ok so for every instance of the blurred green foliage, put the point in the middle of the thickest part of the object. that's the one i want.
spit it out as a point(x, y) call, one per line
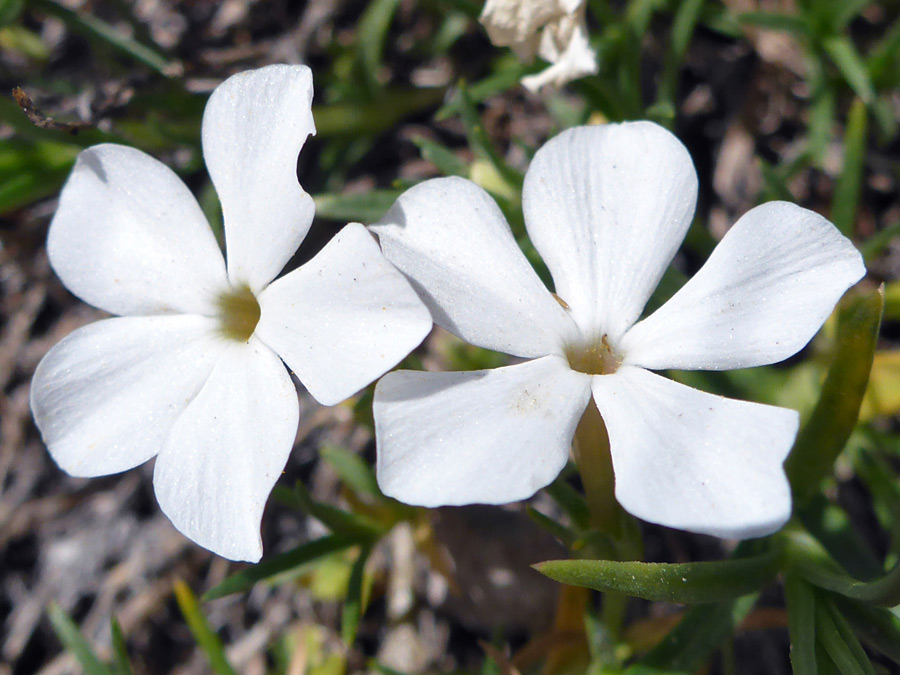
point(841, 596)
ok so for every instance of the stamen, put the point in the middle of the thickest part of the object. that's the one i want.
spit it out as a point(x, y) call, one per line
point(239, 313)
point(593, 358)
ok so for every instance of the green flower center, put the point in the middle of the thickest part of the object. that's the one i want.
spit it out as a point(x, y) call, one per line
point(593, 358)
point(239, 313)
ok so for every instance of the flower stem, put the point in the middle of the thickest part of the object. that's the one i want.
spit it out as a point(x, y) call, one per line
point(591, 448)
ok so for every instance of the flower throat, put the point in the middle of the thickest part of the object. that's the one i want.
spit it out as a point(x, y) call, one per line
point(239, 313)
point(593, 358)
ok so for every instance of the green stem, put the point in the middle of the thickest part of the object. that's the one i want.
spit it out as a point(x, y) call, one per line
point(591, 448)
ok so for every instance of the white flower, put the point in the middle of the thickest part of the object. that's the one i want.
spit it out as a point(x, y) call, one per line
point(192, 371)
point(607, 208)
point(555, 30)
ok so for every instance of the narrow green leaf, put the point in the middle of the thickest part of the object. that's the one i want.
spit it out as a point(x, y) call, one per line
point(824, 435)
point(687, 583)
point(840, 536)
point(208, 641)
point(564, 534)
point(885, 54)
point(283, 563)
point(10, 10)
point(683, 25)
point(850, 63)
point(121, 662)
point(840, 643)
point(354, 604)
point(75, 642)
point(801, 607)
point(442, 157)
point(809, 558)
point(878, 242)
point(849, 183)
point(879, 628)
point(354, 120)
point(337, 520)
point(372, 30)
point(97, 29)
point(702, 630)
point(365, 207)
point(352, 469)
point(572, 502)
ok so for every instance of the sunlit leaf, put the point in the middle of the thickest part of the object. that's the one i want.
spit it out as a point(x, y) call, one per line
point(75, 642)
point(687, 583)
point(208, 641)
point(824, 435)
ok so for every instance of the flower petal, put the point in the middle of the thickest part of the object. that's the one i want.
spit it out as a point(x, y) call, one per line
point(343, 319)
point(227, 450)
point(253, 128)
point(129, 237)
point(761, 296)
point(607, 207)
point(105, 397)
point(694, 461)
point(486, 436)
point(451, 239)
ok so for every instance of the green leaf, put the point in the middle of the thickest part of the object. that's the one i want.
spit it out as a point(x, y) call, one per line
point(75, 642)
point(352, 525)
point(801, 607)
point(824, 435)
point(884, 56)
point(564, 534)
point(371, 35)
point(847, 190)
point(879, 628)
point(283, 563)
point(208, 641)
point(850, 63)
point(442, 157)
point(700, 632)
point(839, 642)
point(121, 662)
point(354, 120)
point(352, 469)
point(97, 29)
point(354, 604)
point(571, 501)
point(687, 583)
point(365, 207)
point(878, 242)
point(10, 10)
point(809, 558)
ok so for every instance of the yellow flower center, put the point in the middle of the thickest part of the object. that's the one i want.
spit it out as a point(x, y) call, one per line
point(594, 357)
point(239, 313)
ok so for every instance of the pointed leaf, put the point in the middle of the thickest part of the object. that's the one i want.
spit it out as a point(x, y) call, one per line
point(824, 435)
point(352, 469)
point(687, 583)
point(284, 563)
point(69, 634)
point(208, 641)
point(354, 603)
point(121, 662)
point(846, 192)
point(801, 607)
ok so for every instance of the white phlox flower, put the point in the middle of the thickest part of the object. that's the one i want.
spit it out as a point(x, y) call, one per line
point(191, 370)
point(555, 30)
point(607, 208)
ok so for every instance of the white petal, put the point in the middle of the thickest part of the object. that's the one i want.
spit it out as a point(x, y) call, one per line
point(227, 450)
point(567, 47)
point(694, 461)
point(129, 237)
point(451, 239)
point(512, 22)
point(487, 436)
point(761, 296)
point(607, 208)
point(253, 128)
point(343, 319)
point(105, 397)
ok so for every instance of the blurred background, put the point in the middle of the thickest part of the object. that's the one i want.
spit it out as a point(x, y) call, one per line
point(775, 100)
